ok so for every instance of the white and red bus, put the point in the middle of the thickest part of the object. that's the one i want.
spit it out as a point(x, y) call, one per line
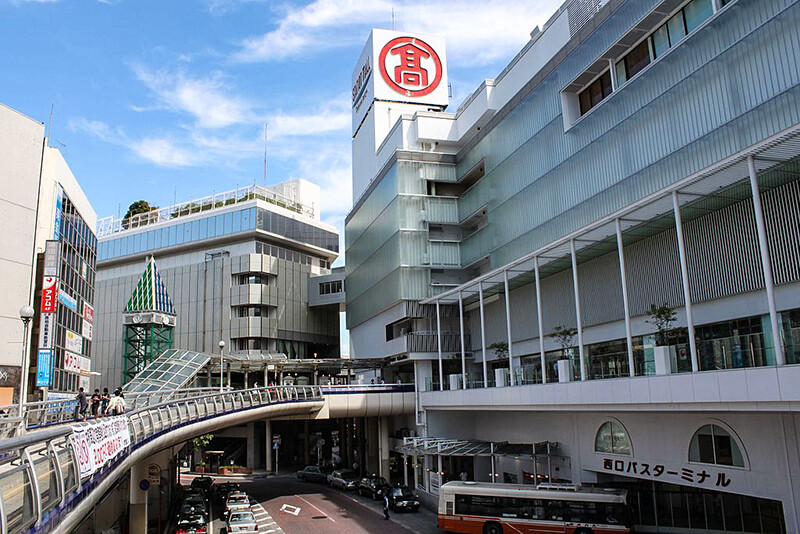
point(485, 508)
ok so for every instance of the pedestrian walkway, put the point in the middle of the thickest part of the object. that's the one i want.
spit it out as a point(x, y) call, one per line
point(264, 520)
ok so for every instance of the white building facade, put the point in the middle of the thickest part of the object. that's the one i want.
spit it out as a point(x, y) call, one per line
point(636, 160)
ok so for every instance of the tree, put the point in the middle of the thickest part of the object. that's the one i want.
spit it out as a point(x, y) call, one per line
point(565, 337)
point(662, 318)
point(201, 442)
point(140, 206)
point(500, 349)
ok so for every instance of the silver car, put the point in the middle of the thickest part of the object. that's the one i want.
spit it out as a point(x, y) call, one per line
point(237, 503)
point(242, 522)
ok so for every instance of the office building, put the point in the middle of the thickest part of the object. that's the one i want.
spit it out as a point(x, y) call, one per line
point(237, 267)
point(594, 256)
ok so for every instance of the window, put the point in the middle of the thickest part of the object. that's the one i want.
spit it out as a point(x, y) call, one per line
point(250, 279)
point(595, 92)
point(612, 439)
point(712, 444)
point(329, 288)
point(682, 23)
point(253, 311)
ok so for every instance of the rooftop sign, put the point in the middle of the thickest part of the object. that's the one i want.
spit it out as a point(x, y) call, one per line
point(399, 67)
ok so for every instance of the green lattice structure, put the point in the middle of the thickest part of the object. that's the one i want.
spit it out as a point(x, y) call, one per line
point(148, 323)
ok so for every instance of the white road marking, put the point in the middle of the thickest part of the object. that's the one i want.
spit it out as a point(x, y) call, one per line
point(289, 509)
point(315, 508)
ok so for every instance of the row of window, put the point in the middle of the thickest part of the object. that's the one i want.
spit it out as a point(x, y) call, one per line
point(549, 510)
point(682, 23)
point(257, 279)
point(329, 288)
point(254, 311)
point(217, 226)
point(290, 255)
point(711, 444)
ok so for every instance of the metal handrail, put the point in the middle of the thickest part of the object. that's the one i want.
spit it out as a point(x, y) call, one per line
point(144, 424)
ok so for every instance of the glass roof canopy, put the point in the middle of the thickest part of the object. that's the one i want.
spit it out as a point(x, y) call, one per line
point(173, 369)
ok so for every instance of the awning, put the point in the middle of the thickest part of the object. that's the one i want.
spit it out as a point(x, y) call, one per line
point(421, 446)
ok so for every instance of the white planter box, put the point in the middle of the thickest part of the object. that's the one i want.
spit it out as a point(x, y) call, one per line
point(564, 371)
point(663, 360)
point(500, 377)
point(455, 382)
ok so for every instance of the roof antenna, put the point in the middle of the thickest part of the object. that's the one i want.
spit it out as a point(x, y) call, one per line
point(265, 154)
point(50, 126)
point(392, 17)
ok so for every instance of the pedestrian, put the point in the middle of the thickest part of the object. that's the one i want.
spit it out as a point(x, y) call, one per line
point(386, 505)
point(463, 476)
point(105, 398)
point(95, 402)
point(116, 406)
point(83, 404)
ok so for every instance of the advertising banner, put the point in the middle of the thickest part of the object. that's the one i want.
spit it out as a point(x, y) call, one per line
point(57, 217)
point(88, 312)
point(87, 329)
point(73, 342)
point(51, 250)
point(49, 294)
point(44, 368)
point(47, 330)
point(72, 362)
point(67, 300)
point(97, 444)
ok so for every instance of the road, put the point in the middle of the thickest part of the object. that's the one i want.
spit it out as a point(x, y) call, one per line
point(296, 507)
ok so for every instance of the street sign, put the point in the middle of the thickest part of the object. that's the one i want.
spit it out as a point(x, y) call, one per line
point(154, 473)
point(276, 438)
point(276, 445)
point(144, 484)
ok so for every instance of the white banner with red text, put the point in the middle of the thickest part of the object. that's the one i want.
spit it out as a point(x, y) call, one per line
point(98, 443)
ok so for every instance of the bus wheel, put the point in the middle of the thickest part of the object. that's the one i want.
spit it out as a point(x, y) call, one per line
point(492, 528)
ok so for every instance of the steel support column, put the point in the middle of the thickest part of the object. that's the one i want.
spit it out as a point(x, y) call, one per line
point(539, 318)
point(508, 329)
point(763, 246)
point(439, 346)
point(625, 306)
point(463, 349)
point(483, 335)
point(687, 297)
point(579, 323)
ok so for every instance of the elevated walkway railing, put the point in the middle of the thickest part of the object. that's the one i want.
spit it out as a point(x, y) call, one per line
point(45, 475)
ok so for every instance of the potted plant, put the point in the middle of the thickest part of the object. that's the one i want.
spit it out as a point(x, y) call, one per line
point(500, 349)
point(199, 444)
point(662, 318)
point(200, 468)
point(565, 337)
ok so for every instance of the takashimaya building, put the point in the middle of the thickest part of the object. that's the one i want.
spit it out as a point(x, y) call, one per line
point(243, 267)
point(636, 159)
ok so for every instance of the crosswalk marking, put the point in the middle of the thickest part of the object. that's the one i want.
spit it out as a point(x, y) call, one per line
point(264, 520)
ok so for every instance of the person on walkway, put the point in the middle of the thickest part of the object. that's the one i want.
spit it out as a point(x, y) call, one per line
point(105, 398)
point(386, 505)
point(95, 403)
point(83, 405)
point(116, 406)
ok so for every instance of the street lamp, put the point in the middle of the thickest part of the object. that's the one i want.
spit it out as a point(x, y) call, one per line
point(221, 362)
point(25, 314)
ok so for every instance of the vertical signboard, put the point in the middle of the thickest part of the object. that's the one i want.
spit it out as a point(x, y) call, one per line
point(44, 368)
point(59, 208)
point(88, 312)
point(49, 294)
point(51, 255)
point(73, 342)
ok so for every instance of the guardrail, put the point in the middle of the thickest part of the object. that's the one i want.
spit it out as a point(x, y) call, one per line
point(40, 479)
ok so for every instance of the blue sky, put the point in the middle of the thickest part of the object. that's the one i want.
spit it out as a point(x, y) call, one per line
point(166, 99)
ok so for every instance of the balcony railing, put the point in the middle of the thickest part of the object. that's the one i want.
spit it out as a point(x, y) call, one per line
point(427, 342)
point(444, 254)
point(441, 210)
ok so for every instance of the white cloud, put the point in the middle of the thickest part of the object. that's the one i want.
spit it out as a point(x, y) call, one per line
point(205, 99)
point(476, 31)
point(165, 153)
point(97, 129)
point(329, 117)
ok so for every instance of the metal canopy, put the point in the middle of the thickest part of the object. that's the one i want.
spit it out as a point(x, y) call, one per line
point(776, 161)
point(418, 446)
point(173, 369)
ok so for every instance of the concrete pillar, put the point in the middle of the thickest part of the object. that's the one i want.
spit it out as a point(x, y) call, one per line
point(137, 515)
point(251, 445)
point(348, 438)
point(306, 442)
point(687, 295)
point(383, 447)
point(405, 469)
point(362, 444)
point(268, 459)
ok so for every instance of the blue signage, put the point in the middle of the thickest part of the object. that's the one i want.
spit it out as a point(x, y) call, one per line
point(44, 368)
point(59, 207)
point(67, 300)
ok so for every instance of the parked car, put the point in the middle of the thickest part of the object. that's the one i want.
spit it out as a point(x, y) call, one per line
point(204, 483)
point(343, 479)
point(191, 524)
point(373, 487)
point(191, 509)
point(401, 498)
point(311, 473)
point(238, 502)
point(241, 522)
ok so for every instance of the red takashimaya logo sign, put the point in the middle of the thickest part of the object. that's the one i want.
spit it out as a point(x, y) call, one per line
point(410, 66)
